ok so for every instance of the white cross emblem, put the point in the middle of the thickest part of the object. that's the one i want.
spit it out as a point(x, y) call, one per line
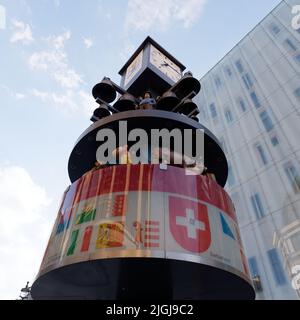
point(191, 223)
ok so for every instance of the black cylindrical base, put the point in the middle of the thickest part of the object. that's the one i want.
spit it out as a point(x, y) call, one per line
point(141, 279)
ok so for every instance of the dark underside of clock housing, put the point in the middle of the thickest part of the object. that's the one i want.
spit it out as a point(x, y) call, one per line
point(151, 81)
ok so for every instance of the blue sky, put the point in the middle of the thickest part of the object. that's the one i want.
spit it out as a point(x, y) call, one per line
point(52, 53)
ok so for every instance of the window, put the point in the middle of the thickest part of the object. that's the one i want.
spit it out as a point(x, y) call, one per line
point(277, 269)
point(254, 99)
point(297, 93)
point(253, 267)
point(261, 153)
point(266, 120)
point(290, 45)
point(242, 105)
point(295, 239)
point(257, 206)
point(293, 176)
point(239, 66)
point(228, 116)
point(213, 110)
point(274, 28)
point(274, 141)
point(228, 71)
point(231, 178)
point(247, 80)
point(218, 82)
point(203, 112)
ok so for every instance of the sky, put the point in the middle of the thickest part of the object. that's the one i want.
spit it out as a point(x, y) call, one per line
point(52, 54)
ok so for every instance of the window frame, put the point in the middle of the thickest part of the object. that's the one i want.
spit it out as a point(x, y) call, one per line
point(213, 110)
point(257, 206)
point(255, 99)
point(261, 153)
point(293, 175)
point(276, 266)
point(266, 120)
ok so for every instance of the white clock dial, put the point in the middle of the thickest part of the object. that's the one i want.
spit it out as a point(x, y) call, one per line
point(133, 68)
point(164, 64)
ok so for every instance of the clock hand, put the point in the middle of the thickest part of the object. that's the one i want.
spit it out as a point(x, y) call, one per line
point(163, 65)
point(168, 65)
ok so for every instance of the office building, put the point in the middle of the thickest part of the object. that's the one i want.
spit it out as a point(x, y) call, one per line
point(251, 101)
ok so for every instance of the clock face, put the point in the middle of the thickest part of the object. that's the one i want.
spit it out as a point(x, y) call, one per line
point(133, 68)
point(164, 64)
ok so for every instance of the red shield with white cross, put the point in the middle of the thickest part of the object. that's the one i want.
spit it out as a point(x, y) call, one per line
point(189, 224)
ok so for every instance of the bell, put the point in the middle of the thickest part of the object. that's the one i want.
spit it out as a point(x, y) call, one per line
point(105, 91)
point(195, 118)
point(189, 108)
point(168, 101)
point(125, 103)
point(187, 85)
point(100, 113)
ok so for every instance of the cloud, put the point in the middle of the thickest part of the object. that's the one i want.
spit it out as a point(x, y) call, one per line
point(161, 14)
point(24, 229)
point(45, 60)
point(40, 94)
point(55, 62)
point(22, 33)
point(87, 103)
point(58, 42)
point(88, 42)
point(68, 78)
point(71, 101)
point(2, 18)
point(12, 93)
point(20, 96)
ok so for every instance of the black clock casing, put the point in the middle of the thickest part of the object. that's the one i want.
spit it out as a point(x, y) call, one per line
point(144, 70)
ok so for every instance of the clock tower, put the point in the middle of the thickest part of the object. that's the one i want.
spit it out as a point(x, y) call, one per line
point(151, 67)
point(145, 215)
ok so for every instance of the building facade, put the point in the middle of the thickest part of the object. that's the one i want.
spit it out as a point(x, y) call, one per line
point(251, 100)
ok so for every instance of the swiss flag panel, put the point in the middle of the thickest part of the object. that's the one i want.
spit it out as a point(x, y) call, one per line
point(189, 224)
